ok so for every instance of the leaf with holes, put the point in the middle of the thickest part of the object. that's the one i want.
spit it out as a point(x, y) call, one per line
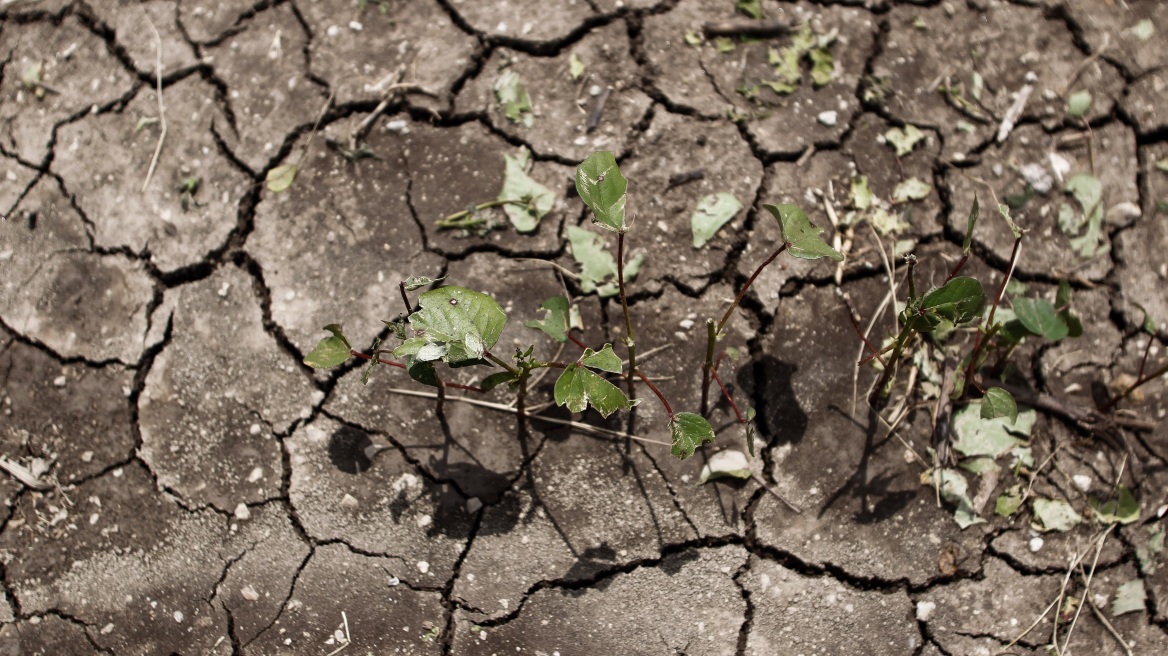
point(1123, 509)
point(457, 315)
point(712, 212)
point(903, 141)
point(689, 431)
point(803, 238)
point(1054, 515)
point(577, 388)
point(602, 187)
point(330, 351)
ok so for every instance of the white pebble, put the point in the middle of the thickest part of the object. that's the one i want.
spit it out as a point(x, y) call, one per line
point(1082, 481)
point(60, 381)
point(348, 501)
point(242, 512)
point(178, 616)
point(925, 610)
point(828, 118)
point(356, 26)
point(255, 475)
point(423, 566)
point(249, 593)
point(1036, 544)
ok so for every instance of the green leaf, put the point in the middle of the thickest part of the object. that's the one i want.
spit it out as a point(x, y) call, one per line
point(578, 388)
point(1147, 325)
point(904, 140)
point(280, 178)
point(689, 431)
point(512, 95)
point(555, 318)
point(712, 212)
point(1087, 190)
point(1124, 509)
point(1162, 165)
point(1145, 29)
point(604, 360)
point(517, 185)
point(781, 88)
point(752, 8)
point(999, 403)
point(1054, 515)
point(1038, 316)
point(725, 464)
point(861, 193)
point(786, 63)
point(373, 361)
point(575, 66)
point(1004, 210)
point(602, 188)
point(422, 372)
point(1062, 300)
point(724, 45)
point(911, 189)
point(958, 301)
point(409, 347)
point(1009, 501)
point(803, 238)
point(822, 67)
point(973, 212)
point(496, 379)
point(330, 351)
point(1078, 104)
point(596, 264)
point(976, 436)
point(954, 489)
point(693, 38)
point(457, 315)
point(1129, 598)
point(414, 283)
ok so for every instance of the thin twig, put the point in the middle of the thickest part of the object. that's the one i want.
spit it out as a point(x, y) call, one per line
point(551, 420)
point(161, 105)
point(1086, 591)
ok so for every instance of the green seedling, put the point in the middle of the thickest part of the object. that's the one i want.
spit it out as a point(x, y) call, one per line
point(524, 201)
point(455, 327)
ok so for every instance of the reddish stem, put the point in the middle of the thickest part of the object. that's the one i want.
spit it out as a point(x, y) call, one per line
point(358, 354)
point(979, 342)
point(956, 268)
point(656, 391)
point(575, 341)
point(873, 349)
point(405, 299)
point(742, 292)
point(726, 393)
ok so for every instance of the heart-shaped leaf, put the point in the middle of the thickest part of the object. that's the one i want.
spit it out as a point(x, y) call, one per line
point(803, 238)
point(958, 301)
point(602, 187)
point(999, 403)
point(689, 431)
point(578, 388)
point(1039, 317)
point(330, 351)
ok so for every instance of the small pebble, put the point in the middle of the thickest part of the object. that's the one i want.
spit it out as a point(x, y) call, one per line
point(828, 118)
point(925, 610)
point(1036, 544)
point(60, 381)
point(1082, 481)
point(178, 616)
point(423, 566)
point(242, 512)
point(356, 26)
point(473, 505)
point(249, 593)
point(348, 501)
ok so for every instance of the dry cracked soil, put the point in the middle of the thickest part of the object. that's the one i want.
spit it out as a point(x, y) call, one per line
point(177, 481)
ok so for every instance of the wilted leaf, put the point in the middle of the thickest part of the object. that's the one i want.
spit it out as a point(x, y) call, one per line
point(517, 185)
point(689, 431)
point(911, 189)
point(750, 413)
point(555, 319)
point(1009, 501)
point(575, 66)
point(1087, 190)
point(861, 193)
point(414, 283)
point(752, 8)
point(954, 489)
point(596, 264)
point(577, 388)
point(725, 464)
point(602, 188)
point(958, 301)
point(976, 436)
point(1078, 104)
point(804, 238)
point(1123, 509)
point(904, 140)
point(512, 95)
point(822, 66)
point(999, 403)
point(496, 379)
point(693, 38)
point(1129, 598)
point(1054, 515)
point(712, 212)
point(280, 178)
point(786, 63)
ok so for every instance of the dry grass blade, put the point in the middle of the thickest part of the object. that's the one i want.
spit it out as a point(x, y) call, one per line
point(161, 104)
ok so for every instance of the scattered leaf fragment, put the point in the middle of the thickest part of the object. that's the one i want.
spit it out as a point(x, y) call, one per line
point(712, 212)
point(517, 185)
point(1079, 103)
point(512, 95)
point(1162, 165)
point(555, 321)
point(280, 178)
point(955, 489)
point(724, 44)
point(1009, 501)
point(725, 464)
point(861, 193)
point(693, 38)
point(911, 189)
point(1129, 598)
point(904, 140)
point(752, 8)
point(1123, 509)
point(977, 436)
point(575, 66)
point(822, 66)
point(1054, 515)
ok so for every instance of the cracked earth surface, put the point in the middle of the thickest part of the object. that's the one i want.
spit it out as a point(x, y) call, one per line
point(206, 493)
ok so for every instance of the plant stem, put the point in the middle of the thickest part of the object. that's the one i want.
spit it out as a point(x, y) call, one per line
point(575, 341)
point(630, 342)
point(707, 366)
point(742, 292)
point(980, 341)
point(1131, 388)
point(884, 386)
point(459, 219)
point(660, 396)
point(726, 393)
point(401, 285)
point(491, 356)
point(358, 354)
